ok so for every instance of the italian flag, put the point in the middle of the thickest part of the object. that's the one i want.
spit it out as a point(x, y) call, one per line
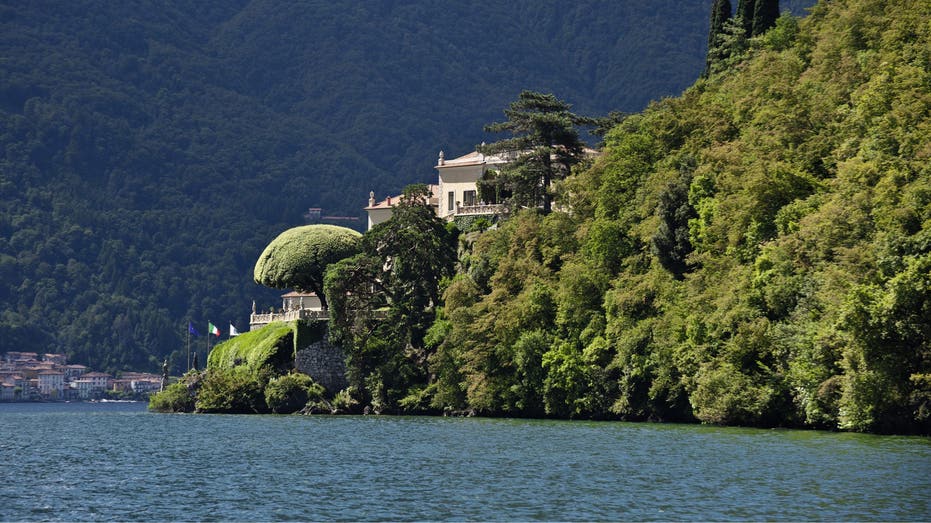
point(212, 329)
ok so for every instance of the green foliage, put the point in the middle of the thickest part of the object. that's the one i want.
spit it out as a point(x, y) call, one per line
point(237, 390)
point(720, 13)
point(289, 393)
point(177, 397)
point(468, 224)
point(271, 346)
point(783, 34)
point(546, 145)
point(724, 395)
point(298, 257)
point(204, 133)
point(755, 252)
point(670, 244)
point(744, 15)
point(385, 299)
point(765, 13)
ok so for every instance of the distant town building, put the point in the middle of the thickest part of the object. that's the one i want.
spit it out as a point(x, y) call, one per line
point(136, 383)
point(73, 371)
point(51, 384)
point(313, 214)
point(57, 359)
point(7, 390)
point(99, 380)
point(25, 377)
point(14, 357)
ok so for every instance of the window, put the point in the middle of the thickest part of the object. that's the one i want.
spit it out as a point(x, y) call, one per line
point(452, 201)
point(468, 198)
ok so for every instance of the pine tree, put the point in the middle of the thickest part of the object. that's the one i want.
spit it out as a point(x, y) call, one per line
point(765, 14)
point(546, 145)
point(720, 13)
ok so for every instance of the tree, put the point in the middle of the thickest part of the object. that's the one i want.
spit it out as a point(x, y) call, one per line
point(730, 45)
point(670, 243)
point(720, 13)
point(384, 299)
point(745, 10)
point(765, 13)
point(417, 249)
point(546, 145)
point(298, 257)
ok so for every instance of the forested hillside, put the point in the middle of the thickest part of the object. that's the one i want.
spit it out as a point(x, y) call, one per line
point(151, 149)
point(756, 251)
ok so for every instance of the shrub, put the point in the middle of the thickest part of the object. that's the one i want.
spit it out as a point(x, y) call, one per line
point(176, 397)
point(289, 393)
point(234, 391)
point(179, 396)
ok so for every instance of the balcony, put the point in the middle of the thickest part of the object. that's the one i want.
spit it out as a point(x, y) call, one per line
point(480, 209)
point(257, 321)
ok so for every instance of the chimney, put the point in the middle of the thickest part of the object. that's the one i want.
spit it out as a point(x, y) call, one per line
point(442, 159)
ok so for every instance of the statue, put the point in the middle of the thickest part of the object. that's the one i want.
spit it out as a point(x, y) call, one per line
point(194, 364)
point(164, 375)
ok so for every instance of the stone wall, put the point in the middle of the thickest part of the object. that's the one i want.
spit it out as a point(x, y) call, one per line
point(325, 363)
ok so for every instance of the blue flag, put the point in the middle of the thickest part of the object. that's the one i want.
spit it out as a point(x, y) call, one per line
point(191, 329)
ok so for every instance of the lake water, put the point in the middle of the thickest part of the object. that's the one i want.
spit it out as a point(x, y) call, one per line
point(119, 462)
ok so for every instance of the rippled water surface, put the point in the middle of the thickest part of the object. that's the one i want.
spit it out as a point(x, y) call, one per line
point(120, 462)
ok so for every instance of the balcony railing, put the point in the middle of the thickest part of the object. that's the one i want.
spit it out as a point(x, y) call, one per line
point(481, 209)
point(300, 314)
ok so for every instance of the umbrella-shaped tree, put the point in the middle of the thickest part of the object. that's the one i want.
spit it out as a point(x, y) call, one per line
point(298, 257)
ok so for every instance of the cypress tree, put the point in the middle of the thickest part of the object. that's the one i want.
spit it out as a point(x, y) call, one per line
point(745, 10)
point(765, 14)
point(720, 13)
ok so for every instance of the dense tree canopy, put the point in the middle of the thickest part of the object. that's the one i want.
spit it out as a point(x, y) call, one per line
point(151, 149)
point(299, 257)
point(754, 252)
point(384, 299)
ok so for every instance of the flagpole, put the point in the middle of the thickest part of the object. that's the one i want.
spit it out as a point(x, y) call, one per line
point(189, 346)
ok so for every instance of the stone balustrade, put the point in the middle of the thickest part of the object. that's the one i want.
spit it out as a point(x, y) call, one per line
point(482, 209)
point(257, 321)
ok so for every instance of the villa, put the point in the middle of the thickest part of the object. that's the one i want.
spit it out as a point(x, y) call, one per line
point(455, 194)
point(456, 190)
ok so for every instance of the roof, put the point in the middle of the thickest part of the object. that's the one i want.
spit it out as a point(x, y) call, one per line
point(296, 294)
point(477, 158)
point(387, 203)
point(474, 158)
point(391, 201)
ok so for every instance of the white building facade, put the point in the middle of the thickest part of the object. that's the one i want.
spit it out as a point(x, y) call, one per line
point(456, 190)
point(51, 384)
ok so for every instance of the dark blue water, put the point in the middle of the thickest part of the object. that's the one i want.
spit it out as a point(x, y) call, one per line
point(120, 462)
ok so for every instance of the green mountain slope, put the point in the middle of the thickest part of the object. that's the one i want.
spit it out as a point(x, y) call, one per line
point(756, 251)
point(151, 149)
